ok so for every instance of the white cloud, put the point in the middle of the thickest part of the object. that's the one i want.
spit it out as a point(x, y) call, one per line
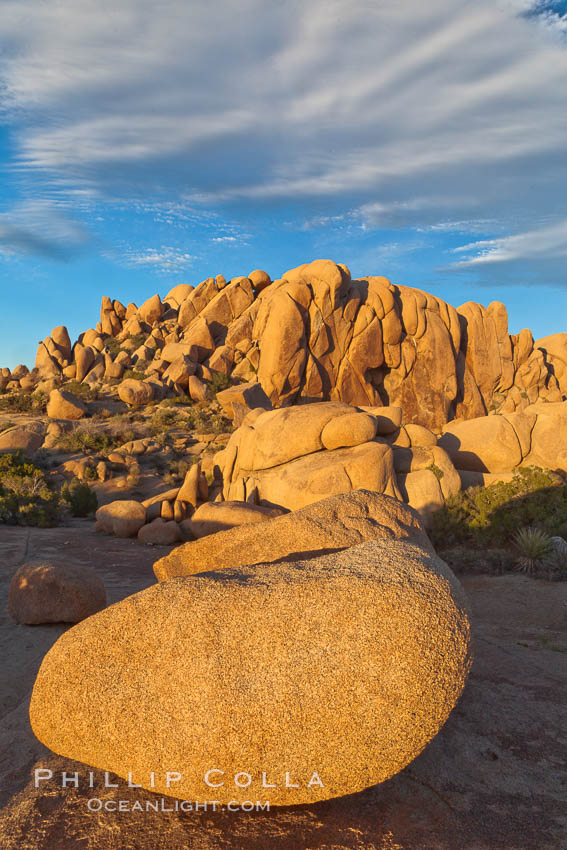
point(545, 243)
point(408, 114)
point(164, 260)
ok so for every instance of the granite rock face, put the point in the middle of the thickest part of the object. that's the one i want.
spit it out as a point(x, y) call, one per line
point(493, 444)
point(327, 526)
point(284, 457)
point(316, 334)
point(336, 671)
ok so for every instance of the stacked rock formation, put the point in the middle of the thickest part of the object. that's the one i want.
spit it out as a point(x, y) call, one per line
point(294, 456)
point(315, 334)
point(297, 681)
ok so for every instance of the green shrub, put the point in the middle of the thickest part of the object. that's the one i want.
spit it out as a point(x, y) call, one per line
point(177, 401)
point(132, 373)
point(489, 516)
point(81, 499)
point(534, 547)
point(83, 391)
point(218, 383)
point(162, 420)
point(112, 345)
point(207, 421)
point(25, 495)
point(465, 559)
point(85, 439)
point(437, 472)
point(24, 402)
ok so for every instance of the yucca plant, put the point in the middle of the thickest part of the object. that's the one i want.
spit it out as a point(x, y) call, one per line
point(535, 548)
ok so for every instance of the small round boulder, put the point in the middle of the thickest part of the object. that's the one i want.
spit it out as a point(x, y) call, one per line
point(259, 279)
point(65, 405)
point(352, 429)
point(123, 518)
point(54, 593)
point(160, 533)
point(135, 393)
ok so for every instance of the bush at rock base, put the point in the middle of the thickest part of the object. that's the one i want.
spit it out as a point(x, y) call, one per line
point(83, 391)
point(199, 417)
point(81, 499)
point(23, 402)
point(28, 498)
point(491, 515)
point(218, 383)
point(25, 495)
point(86, 439)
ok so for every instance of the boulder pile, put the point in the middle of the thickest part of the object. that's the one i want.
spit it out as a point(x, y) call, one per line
point(286, 459)
point(315, 334)
point(294, 456)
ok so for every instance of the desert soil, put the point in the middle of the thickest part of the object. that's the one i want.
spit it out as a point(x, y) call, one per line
point(495, 778)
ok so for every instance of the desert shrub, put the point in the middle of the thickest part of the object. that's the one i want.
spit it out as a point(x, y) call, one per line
point(24, 402)
point(83, 391)
point(138, 339)
point(178, 468)
point(489, 516)
point(84, 438)
point(437, 472)
point(133, 373)
point(25, 495)
point(177, 401)
point(218, 383)
point(464, 559)
point(200, 417)
point(534, 548)
point(207, 421)
point(81, 499)
point(112, 345)
point(162, 420)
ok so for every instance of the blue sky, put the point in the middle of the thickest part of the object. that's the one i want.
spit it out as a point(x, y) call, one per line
point(144, 144)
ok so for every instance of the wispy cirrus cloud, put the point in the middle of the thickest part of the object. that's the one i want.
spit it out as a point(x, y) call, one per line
point(40, 228)
point(431, 117)
point(547, 243)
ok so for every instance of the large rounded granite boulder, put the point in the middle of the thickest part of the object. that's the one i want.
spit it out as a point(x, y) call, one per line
point(290, 682)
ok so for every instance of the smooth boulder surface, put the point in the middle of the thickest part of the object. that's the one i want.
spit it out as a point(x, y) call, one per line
point(135, 393)
point(123, 518)
point(212, 517)
point(369, 466)
point(352, 429)
point(27, 438)
point(54, 593)
point(160, 533)
point(326, 526)
point(342, 667)
point(64, 405)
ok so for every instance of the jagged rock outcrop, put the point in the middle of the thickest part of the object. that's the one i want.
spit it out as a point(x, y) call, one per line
point(316, 334)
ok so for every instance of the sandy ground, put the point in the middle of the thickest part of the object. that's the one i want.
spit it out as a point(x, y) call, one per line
point(495, 778)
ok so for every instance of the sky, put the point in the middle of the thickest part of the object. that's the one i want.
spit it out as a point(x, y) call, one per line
point(146, 143)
